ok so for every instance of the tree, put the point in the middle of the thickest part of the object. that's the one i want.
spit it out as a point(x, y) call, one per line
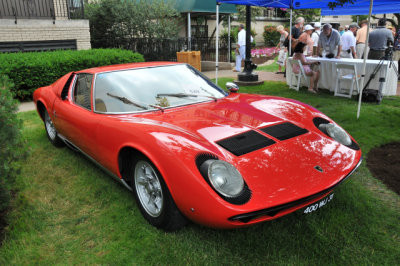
point(358, 18)
point(309, 15)
point(255, 12)
point(115, 23)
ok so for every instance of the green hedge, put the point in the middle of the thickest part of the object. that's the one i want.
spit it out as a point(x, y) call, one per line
point(29, 71)
point(271, 36)
point(12, 147)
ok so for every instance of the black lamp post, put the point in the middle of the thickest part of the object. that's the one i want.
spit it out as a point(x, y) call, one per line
point(248, 74)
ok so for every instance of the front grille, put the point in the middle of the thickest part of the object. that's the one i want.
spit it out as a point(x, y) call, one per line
point(284, 131)
point(245, 142)
point(273, 211)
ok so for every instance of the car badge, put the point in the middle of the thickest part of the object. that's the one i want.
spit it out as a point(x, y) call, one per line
point(318, 168)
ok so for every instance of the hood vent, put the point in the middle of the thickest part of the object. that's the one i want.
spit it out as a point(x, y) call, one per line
point(245, 142)
point(284, 131)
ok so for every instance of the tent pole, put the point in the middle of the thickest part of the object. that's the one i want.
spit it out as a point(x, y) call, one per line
point(229, 38)
point(365, 59)
point(216, 46)
point(189, 33)
point(248, 75)
point(290, 32)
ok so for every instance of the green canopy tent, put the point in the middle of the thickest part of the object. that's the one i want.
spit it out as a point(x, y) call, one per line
point(202, 7)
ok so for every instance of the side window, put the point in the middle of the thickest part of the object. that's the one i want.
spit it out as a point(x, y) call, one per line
point(82, 88)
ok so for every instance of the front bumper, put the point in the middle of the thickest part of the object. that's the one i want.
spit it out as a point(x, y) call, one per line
point(280, 210)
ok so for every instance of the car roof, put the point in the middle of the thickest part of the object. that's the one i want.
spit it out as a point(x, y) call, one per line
point(95, 70)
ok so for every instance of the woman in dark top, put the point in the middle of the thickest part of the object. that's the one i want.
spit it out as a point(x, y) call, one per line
point(314, 75)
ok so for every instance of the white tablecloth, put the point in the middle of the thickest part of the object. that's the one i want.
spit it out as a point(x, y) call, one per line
point(328, 73)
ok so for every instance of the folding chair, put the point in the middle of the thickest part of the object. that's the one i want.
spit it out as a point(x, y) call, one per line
point(346, 72)
point(299, 75)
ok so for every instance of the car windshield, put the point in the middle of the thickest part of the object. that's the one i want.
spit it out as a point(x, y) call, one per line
point(143, 89)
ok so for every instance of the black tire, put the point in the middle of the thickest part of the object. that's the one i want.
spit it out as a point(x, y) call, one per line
point(153, 197)
point(51, 131)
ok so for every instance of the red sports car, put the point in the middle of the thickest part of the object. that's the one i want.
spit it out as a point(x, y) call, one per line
point(189, 150)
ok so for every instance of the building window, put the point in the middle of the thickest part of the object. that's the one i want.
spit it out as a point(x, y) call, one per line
point(274, 13)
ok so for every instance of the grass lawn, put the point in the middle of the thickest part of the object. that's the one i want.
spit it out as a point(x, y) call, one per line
point(270, 68)
point(67, 211)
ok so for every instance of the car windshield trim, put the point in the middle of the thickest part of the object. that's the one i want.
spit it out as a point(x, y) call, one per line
point(154, 106)
point(183, 95)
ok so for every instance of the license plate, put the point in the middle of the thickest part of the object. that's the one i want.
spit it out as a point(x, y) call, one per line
point(318, 205)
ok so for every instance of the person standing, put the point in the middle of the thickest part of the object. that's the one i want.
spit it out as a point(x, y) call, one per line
point(240, 48)
point(378, 40)
point(315, 36)
point(341, 30)
point(282, 52)
point(396, 47)
point(296, 32)
point(393, 30)
point(329, 42)
point(348, 40)
point(305, 37)
point(361, 37)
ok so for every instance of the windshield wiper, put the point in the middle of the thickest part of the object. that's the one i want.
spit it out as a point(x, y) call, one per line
point(127, 101)
point(157, 107)
point(183, 95)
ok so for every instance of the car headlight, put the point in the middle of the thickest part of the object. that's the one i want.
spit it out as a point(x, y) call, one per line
point(223, 177)
point(337, 133)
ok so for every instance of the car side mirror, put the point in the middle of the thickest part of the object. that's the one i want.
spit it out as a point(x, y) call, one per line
point(232, 87)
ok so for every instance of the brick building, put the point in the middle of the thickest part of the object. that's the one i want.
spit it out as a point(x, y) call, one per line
point(42, 25)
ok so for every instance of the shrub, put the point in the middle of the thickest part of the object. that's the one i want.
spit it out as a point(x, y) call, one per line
point(116, 23)
point(11, 144)
point(224, 36)
point(29, 71)
point(271, 36)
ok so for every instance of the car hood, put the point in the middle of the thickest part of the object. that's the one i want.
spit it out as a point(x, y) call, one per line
point(232, 115)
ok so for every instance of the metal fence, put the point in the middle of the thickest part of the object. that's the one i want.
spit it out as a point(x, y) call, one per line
point(41, 9)
point(165, 49)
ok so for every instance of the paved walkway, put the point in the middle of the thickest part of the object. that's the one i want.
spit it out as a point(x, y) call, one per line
point(262, 75)
point(26, 106)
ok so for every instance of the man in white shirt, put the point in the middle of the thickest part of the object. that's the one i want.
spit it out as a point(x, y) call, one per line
point(349, 42)
point(240, 48)
point(315, 36)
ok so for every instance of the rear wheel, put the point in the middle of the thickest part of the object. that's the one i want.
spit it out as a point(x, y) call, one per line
point(153, 197)
point(51, 131)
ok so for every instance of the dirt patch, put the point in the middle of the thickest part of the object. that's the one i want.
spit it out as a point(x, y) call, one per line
point(3, 225)
point(384, 163)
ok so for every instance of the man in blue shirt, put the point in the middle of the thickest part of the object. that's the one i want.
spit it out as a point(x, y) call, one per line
point(330, 43)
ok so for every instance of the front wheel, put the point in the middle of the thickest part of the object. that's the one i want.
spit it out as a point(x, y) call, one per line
point(153, 197)
point(51, 131)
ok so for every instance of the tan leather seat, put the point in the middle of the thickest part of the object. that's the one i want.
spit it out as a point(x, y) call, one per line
point(100, 106)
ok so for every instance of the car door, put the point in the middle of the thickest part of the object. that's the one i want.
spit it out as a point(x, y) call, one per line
point(74, 117)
